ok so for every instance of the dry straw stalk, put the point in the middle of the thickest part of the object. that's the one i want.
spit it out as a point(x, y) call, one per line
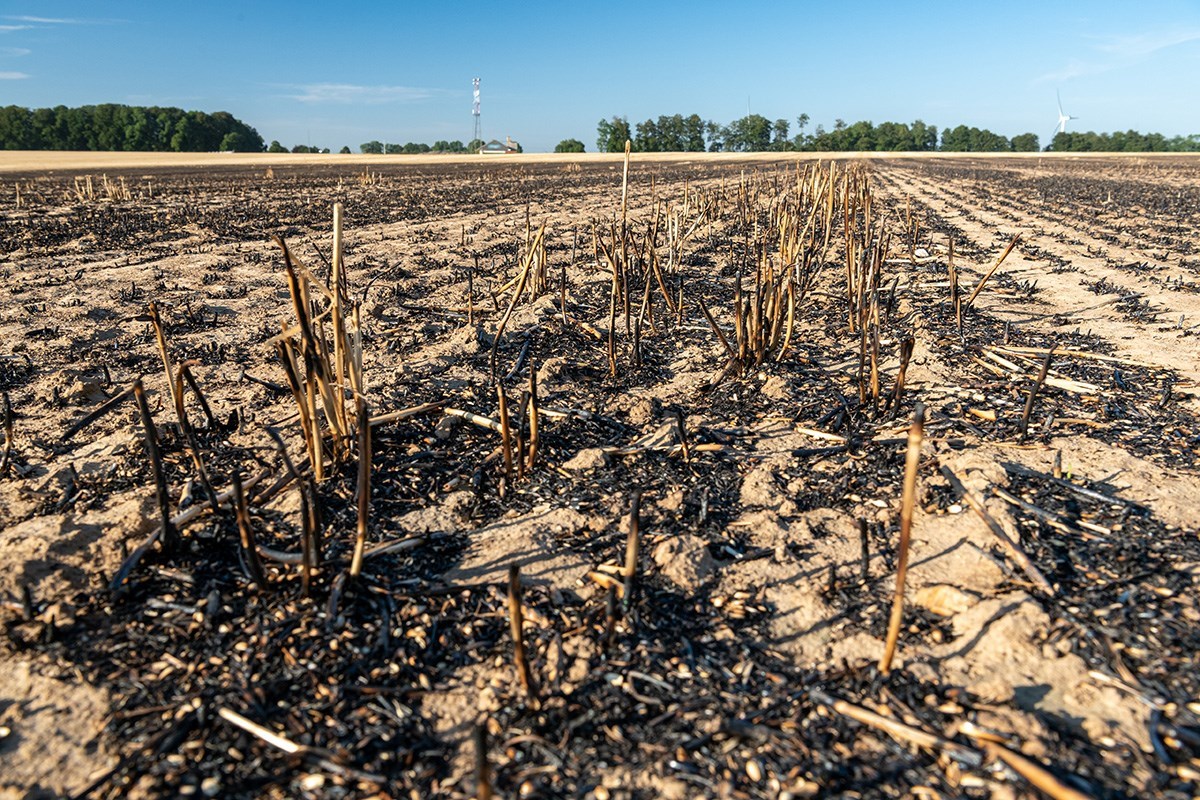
point(912, 461)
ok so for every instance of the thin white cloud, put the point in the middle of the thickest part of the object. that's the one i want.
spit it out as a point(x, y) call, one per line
point(1145, 44)
point(47, 20)
point(28, 22)
point(1120, 51)
point(352, 93)
point(1074, 69)
point(10, 28)
point(14, 51)
point(13, 76)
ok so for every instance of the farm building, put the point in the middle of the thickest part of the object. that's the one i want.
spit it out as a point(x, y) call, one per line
point(497, 147)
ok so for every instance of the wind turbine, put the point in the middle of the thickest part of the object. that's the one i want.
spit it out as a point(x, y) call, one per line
point(1063, 119)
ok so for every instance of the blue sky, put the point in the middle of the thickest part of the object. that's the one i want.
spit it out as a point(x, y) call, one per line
point(309, 73)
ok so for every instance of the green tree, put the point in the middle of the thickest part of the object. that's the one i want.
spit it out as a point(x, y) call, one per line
point(1184, 144)
point(16, 128)
point(863, 135)
point(751, 133)
point(646, 138)
point(714, 134)
point(141, 131)
point(963, 139)
point(223, 126)
point(276, 147)
point(373, 147)
point(801, 140)
point(345, 151)
point(42, 128)
point(693, 134)
point(672, 133)
point(611, 135)
point(110, 126)
point(892, 136)
point(474, 145)
point(205, 132)
point(62, 127)
point(1025, 143)
point(924, 137)
point(239, 142)
point(105, 125)
point(569, 146)
point(165, 118)
point(956, 139)
point(859, 136)
point(779, 135)
point(184, 137)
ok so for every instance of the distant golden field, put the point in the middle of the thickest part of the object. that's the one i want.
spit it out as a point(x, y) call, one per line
point(53, 160)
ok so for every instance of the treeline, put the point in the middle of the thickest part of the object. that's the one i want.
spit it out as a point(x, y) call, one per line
point(118, 127)
point(276, 147)
point(1124, 142)
point(456, 146)
point(756, 133)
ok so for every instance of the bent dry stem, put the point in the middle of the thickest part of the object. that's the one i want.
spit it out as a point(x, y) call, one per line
point(1033, 392)
point(254, 570)
point(632, 545)
point(483, 769)
point(911, 463)
point(516, 618)
point(364, 485)
point(6, 457)
point(170, 536)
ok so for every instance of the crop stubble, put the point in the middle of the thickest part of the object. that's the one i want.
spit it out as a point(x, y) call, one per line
point(714, 377)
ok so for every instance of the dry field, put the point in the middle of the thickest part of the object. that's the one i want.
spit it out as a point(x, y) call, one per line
point(710, 414)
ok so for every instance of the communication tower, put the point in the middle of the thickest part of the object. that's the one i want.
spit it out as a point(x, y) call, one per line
point(475, 111)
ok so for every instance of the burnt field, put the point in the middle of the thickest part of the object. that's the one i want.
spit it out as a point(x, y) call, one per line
point(544, 479)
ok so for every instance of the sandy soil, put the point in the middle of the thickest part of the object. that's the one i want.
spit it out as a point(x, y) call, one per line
point(752, 560)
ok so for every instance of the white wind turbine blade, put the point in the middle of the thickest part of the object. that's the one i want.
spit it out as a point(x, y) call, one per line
point(1063, 118)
